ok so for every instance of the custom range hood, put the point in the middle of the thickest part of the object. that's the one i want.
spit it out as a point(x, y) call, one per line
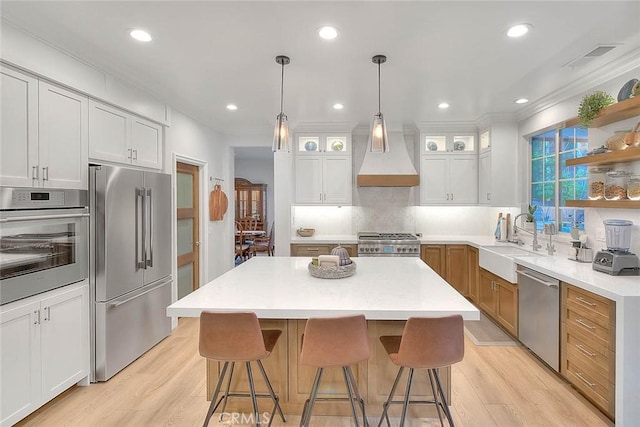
point(391, 169)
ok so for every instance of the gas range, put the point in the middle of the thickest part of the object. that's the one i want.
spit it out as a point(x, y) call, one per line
point(374, 244)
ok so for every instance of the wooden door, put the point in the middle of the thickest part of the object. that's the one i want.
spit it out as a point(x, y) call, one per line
point(188, 226)
point(507, 305)
point(486, 293)
point(456, 267)
point(434, 257)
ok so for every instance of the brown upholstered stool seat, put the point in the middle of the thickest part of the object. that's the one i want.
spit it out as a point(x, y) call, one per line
point(335, 342)
point(237, 337)
point(426, 343)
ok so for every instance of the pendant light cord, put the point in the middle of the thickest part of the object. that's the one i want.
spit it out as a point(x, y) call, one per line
point(282, 90)
point(379, 109)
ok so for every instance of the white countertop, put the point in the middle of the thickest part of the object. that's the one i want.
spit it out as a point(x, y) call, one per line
point(282, 288)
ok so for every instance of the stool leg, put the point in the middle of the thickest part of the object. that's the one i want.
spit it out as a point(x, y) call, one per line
point(386, 404)
point(306, 415)
point(226, 393)
point(252, 388)
point(435, 396)
point(212, 406)
point(407, 396)
point(350, 393)
point(276, 400)
point(354, 386)
point(447, 412)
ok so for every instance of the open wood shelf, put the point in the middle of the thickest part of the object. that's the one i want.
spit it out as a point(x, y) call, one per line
point(631, 154)
point(619, 204)
point(614, 113)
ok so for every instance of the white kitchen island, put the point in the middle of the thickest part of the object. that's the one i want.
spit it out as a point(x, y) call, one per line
point(283, 294)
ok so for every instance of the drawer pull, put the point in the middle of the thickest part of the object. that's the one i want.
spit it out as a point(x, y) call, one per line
point(590, 384)
point(586, 302)
point(313, 249)
point(585, 324)
point(585, 351)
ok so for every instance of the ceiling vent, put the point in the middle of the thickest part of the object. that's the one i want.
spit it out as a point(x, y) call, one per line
point(590, 56)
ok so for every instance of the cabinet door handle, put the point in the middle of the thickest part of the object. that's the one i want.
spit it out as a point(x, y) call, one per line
point(488, 196)
point(313, 249)
point(585, 351)
point(585, 324)
point(45, 173)
point(590, 384)
point(586, 302)
point(451, 196)
point(47, 313)
point(36, 315)
point(35, 173)
point(135, 155)
point(130, 153)
point(447, 196)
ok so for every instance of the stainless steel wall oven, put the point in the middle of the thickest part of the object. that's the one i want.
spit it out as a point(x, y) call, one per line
point(43, 240)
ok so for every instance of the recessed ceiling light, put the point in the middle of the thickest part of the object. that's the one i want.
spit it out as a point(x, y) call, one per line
point(140, 35)
point(521, 101)
point(443, 105)
point(232, 107)
point(518, 30)
point(328, 33)
point(338, 106)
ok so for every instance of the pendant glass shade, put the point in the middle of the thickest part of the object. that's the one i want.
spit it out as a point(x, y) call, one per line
point(281, 137)
point(379, 140)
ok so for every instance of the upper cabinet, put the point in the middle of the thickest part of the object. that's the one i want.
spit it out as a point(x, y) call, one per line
point(497, 165)
point(120, 137)
point(448, 169)
point(323, 170)
point(44, 133)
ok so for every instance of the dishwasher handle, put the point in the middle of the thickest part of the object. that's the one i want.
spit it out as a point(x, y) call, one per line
point(553, 284)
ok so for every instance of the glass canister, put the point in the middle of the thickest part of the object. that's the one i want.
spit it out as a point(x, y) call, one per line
point(633, 187)
point(615, 185)
point(597, 177)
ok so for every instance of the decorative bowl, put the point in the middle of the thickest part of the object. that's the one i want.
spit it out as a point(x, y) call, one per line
point(310, 146)
point(305, 232)
point(337, 146)
point(459, 145)
point(332, 272)
point(432, 146)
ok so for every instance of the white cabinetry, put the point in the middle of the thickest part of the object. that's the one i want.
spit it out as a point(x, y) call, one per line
point(323, 169)
point(44, 133)
point(45, 349)
point(120, 137)
point(448, 169)
point(497, 164)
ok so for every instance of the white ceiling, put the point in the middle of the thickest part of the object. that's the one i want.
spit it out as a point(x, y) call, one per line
point(206, 54)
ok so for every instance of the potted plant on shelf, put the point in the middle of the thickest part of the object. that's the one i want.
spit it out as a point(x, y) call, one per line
point(591, 105)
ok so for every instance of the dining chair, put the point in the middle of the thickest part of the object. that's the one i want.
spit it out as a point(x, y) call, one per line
point(264, 243)
point(241, 247)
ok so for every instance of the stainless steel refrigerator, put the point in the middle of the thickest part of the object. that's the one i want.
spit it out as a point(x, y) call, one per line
point(130, 265)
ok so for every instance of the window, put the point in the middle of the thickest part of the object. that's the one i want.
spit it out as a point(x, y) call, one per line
point(553, 183)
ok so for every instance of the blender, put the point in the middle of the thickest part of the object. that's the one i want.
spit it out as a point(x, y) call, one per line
point(616, 259)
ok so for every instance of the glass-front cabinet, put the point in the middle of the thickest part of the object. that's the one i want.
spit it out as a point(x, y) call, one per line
point(251, 201)
point(314, 143)
point(458, 143)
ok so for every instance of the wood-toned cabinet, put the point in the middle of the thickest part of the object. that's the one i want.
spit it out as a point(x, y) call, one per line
point(44, 133)
point(312, 250)
point(251, 201)
point(587, 345)
point(45, 349)
point(450, 262)
point(473, 271)
point(120, 137)
point(499, 299)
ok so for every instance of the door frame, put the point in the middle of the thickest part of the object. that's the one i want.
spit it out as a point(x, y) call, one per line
point(203, 254)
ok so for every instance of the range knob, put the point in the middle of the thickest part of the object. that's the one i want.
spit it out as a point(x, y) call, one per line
point(377, 249)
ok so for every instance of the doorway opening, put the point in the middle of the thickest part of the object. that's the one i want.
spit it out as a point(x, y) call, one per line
point(188, 228)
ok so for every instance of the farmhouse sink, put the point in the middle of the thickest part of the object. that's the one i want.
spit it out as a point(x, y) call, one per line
point(499, 260)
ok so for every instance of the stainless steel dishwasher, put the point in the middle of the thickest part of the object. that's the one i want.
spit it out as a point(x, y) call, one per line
point(539, 315)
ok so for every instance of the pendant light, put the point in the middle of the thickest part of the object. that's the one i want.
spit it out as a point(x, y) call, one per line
point(281, 132)
point(379, 140)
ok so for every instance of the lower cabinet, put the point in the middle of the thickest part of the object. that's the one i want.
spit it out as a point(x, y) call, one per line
point(499, 299)
point(450, 262)
point(587, 345)
point(312, 250)
point(45, 349)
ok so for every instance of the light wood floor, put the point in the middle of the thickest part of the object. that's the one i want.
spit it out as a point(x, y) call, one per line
point(492, 386)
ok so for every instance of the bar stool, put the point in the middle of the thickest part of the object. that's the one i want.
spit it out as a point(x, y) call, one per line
point(333, 342)
point(426, 343)
point(237, 337)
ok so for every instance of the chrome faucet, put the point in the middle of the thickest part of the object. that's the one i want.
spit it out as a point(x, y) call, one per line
point(515, 237)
